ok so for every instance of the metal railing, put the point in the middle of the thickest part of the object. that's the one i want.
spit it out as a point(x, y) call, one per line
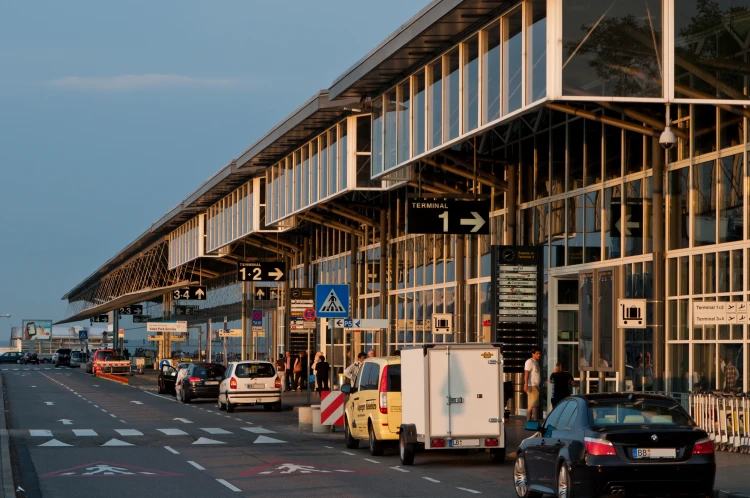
point(725, 417)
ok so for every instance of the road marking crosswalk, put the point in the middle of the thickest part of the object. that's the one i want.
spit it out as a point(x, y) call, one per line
point(258, 430)
point(215, 430)
point(40, 433)
point(128, 432)
point(172, 432)
point(84, 432)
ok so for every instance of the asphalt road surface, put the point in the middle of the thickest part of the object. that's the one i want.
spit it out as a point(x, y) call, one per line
point(74, 435)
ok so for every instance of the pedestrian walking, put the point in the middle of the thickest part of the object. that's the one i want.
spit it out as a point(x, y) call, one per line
point(288, 374)
point(532, 378)
point(281, 369)
point(561, 384)
point(322, 370)
point(300, 368)
point(353, 369)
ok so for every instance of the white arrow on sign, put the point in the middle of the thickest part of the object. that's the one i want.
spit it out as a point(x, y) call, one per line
point(276, 273)
point(49, 403)
point(477, 221)
point(199, 294)
point(65, 421)
point(137, 402)
point(260, 294)
point(628, 225)
point(339, 323)
point(184, 420)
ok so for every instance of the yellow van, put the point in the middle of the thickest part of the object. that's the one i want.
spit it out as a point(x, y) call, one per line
point(373, 408)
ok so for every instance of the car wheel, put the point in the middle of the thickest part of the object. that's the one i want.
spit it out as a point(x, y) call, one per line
point(564, 484)
point(497, 455)
point(277, 406)
point(521, 479)
point(405, 450)
point(350, 442)
point(222, 406)
point(161, 389)
point(185, 396)
point(376, 447)
point(230, 407)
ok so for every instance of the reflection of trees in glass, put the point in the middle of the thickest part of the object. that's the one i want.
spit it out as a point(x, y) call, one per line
point(624, 51)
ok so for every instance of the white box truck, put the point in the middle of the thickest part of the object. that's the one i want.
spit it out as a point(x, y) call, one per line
point(452, 398)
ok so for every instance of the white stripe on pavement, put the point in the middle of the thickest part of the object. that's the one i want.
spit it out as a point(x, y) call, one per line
point(40, 433)
point(203, 468)
point(230, 486)
point(471, 491)
point(173, 432)
point(169, 449)
point(85, 432)
point(430, 479)
point(215, 430)
point(128, 432)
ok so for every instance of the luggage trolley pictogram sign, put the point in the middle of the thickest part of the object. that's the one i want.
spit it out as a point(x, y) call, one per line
point(631, 313)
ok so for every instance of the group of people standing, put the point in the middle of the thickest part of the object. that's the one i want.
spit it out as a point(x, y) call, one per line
point(296, 373)
point(561, 380)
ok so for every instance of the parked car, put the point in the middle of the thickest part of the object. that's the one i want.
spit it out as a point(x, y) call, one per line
point(77, 358)
point(250, 383)
point(168, 377)
point(11, 357)
point(30, 358)
point(45, 357)
point(373, 411)
point(61, 357)
point(202, 381)
point(615, 444)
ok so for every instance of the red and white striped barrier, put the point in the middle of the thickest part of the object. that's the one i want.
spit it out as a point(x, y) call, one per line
point(331, 408)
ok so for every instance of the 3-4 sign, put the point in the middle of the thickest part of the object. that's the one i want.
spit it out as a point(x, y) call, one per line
point(100, 319)
point(192, 293)
point(442, 216)
point(261, 271)
point(135, 309)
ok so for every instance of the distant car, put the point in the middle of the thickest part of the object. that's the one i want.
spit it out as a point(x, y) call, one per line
point(202, 381)
point(250, 383)
point(615, 444)
point(30, 358)
point(167, 378)
point(76, 358)
point(61, 357)
point(11, 357)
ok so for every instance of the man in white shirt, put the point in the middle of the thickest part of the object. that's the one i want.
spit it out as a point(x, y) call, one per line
point(181, 374)
point(353, 369)
point(532, 379)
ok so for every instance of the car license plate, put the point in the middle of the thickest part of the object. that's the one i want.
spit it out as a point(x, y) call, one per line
point(644, 453)
point(256, 386)
point(464, 442)
point(212, 383)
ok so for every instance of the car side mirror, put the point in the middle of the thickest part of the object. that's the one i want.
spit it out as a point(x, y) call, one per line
point(346, 389)
point(533, 425)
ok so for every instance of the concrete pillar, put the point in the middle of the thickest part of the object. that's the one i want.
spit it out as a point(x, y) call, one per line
point(511, 201)
point(288, 303)
point(382, 335)
point(245, 328)
point(619, 356)
point(657, 186)
point(460, 319)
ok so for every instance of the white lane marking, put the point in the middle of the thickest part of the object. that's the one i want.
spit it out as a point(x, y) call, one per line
point(372, 461)
point(116, 442)
point(183, 420)
point(230, 486)
point(137, 402)
point(430, 479)
point(347, 453)
point(169, 449)
point(198, 466)
point(258, 430)
point(128, 432)
point(40, 433)
point(96, 406)
point(172, 432)
point(66, 421)
point(49, 403)
point(84, 399)
point(215, 430)
point(329, 447)
point(123, 421)
point(85, 432)
point(113, 415)
point(102, 409)
point(267, 440)
point(54, 442)
point(399, 469)
point(471, 491)
point(205, 440)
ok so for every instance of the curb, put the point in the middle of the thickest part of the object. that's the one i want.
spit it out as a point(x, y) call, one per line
point(114, 378)
point(719, 493)
point(6, 469)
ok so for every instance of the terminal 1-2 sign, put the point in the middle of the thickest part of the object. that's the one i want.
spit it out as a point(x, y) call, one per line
point(261, 271)
point(448, 216)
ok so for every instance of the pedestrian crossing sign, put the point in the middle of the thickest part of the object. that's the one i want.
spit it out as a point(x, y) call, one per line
point(332, 300)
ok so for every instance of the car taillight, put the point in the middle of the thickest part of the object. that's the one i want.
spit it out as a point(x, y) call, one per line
point(491, 442)
point(437, 443)
point(599, 447)
point(703, 447)
point(277, 383)
point(233, 383)
point(194, 379)
point(383, 405)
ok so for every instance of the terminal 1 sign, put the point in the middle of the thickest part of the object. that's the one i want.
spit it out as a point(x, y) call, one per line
point(447, 217)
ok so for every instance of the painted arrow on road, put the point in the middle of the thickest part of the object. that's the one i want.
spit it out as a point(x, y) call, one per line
point(49, 403)
point(184, 420)
point(137, 402)
point(65, 421)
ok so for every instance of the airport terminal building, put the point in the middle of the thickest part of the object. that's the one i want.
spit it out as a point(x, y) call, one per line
point(552, 115)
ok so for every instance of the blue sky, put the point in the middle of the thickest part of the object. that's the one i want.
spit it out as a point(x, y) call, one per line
point(111, 113)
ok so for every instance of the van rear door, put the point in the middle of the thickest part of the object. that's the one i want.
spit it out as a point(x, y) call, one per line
point(394, 397)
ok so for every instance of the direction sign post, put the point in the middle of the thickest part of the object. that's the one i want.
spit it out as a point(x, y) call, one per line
point(332, 300)
point(192, 293)
point(134, 309)
point(448, 216)
point(141, 318)
point(266, 293)
point(261, 271)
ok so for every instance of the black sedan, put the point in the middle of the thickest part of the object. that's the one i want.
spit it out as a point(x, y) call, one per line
point(201, 381)
point(30, 359)
point(618, 444)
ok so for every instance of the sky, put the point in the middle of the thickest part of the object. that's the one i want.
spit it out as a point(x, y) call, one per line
point(112, 113)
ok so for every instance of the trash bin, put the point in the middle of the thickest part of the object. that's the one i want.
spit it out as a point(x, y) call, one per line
point(341, 381)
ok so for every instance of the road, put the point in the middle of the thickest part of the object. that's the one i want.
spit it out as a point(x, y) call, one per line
point(75, 435)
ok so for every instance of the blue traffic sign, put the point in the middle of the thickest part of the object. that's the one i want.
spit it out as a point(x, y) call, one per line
point(348, 323)
point(257, 318)
point(83, 335)
point(332, 300)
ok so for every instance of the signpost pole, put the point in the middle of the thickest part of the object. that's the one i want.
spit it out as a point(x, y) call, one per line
point(209, 333)
point(243, 341)
point(308, 366)
point(226, 329)
point(115, 329)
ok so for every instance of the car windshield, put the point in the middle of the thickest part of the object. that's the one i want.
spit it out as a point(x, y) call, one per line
point(253, 370)
point(209, 372)
point(638, 411)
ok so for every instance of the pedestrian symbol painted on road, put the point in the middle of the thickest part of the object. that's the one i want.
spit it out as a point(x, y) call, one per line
point(332, 301)
point(108, 469)
point(282, 468)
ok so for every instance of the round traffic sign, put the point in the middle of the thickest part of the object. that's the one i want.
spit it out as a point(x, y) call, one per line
point(257, 315)
point(309, 314)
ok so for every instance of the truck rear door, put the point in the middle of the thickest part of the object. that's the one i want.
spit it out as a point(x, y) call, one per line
point(465, 392)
